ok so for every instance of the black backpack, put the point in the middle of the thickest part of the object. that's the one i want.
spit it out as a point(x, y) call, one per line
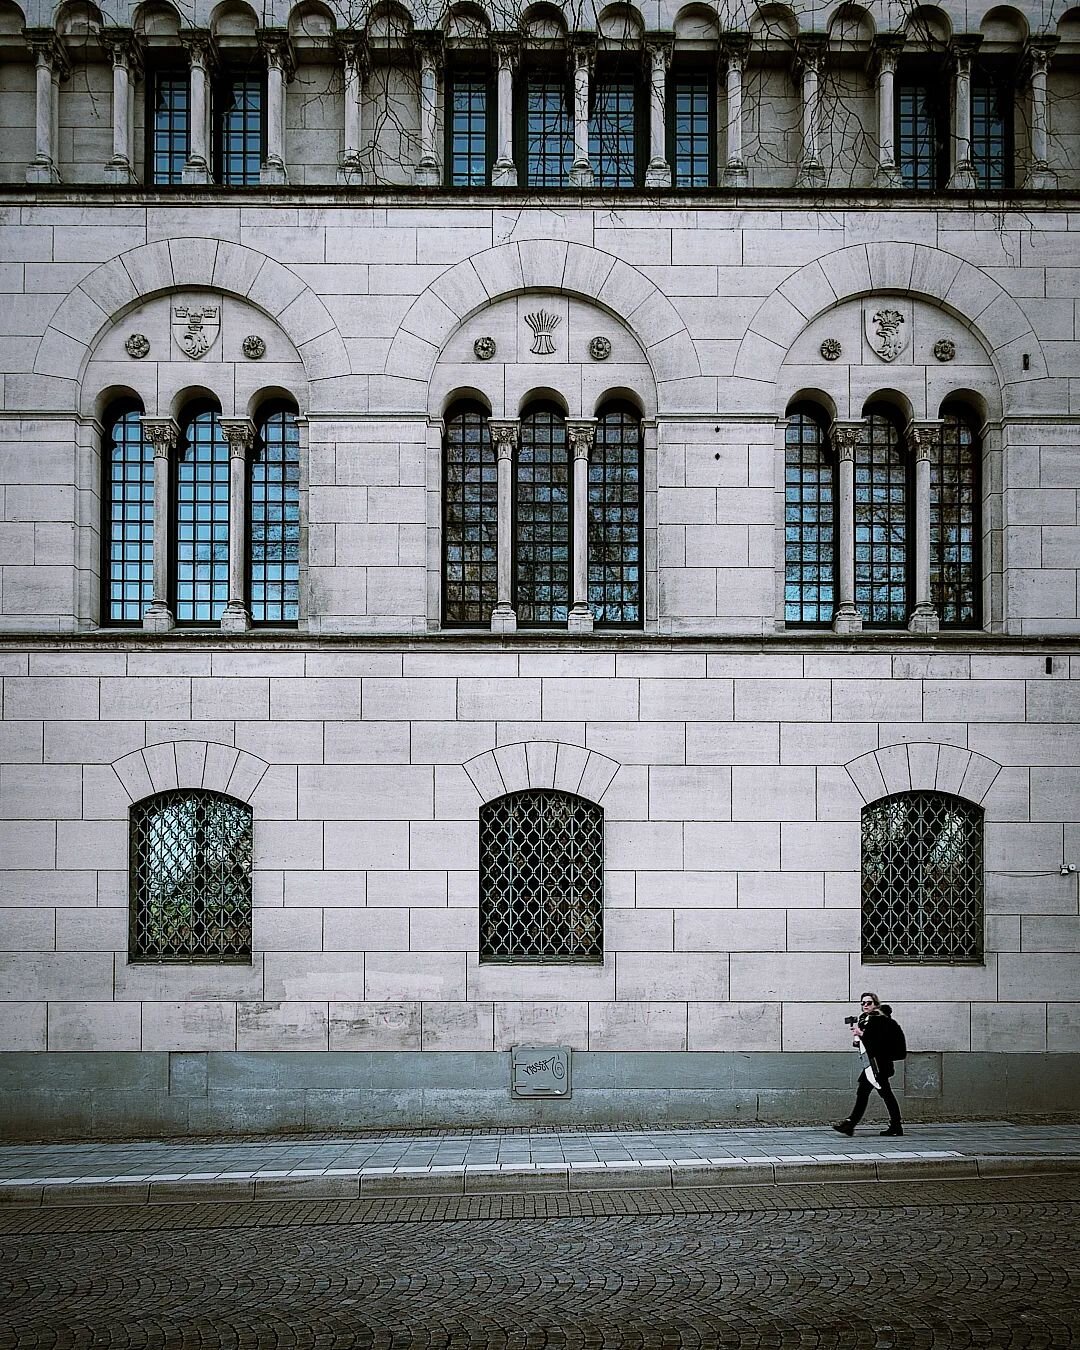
point(897, 1044)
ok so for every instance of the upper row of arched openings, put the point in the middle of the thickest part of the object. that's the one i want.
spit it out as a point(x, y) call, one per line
point(846, 23)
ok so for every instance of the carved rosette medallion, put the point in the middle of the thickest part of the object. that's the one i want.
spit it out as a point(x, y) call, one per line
point(195, 328)
point(600, 348)
point(543, 326)
point(944, 349)
point(253, 347)
point(137, 346)
point(831, 349)
point(484, 348)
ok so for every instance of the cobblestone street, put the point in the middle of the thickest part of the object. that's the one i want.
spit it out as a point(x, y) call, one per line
point(965, 1263)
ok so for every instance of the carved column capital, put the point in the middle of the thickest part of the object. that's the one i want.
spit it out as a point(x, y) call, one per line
point(163, 433)
point(810, 52)
point(48, 50)
point(124, 48)
point(583, 51)
point(200, 47)
point(659, 48)
point(240, 434)
point(734, 50)
point(506, 49)
point(921, 439)
point(504, 436)
point(277, 49)
point(962, 49)
point(885, 52)
point(430, 47)
point(352, 50)
point(845, 439)
point(581, 435)
point(1038, 53)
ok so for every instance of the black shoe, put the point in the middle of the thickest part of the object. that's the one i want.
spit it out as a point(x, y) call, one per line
point(893, 1131)
point(844, 1127)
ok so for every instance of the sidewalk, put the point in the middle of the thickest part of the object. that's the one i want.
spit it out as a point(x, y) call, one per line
point(579, 1160)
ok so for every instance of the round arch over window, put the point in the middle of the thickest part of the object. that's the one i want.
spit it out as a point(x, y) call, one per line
point(189, 875)
point(542, 879)
point(922, 879)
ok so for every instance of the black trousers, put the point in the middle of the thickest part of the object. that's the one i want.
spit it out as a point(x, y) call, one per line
point(862, 1096)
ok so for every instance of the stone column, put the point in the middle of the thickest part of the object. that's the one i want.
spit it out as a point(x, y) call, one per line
point(504, 437)
point(922, 437)
point(504, 170)
point(845, 438)
point(163, 434)
point(200, 60)
point(240, 434)
point(734, 51)
point(581, 174)
point(1040, 176)
point(658, 173)
point(811, 57)
point(120, 45)
point(429, 47)
point(581, 436)
point(886, 53)
point(280, 68)
point(50, 68)
point(354, 55)
point(963, 177)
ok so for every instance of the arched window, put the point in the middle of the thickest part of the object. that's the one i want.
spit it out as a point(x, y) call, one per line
point(274, 519)
point(810, 538)
point(616, 539)
point(190, 878)
point(470, 518)
point(922, 879)
point(955, 502)
point(128, 525)
point(541, 879)
point(542, 495)
point(201, 561)
point(882, 562)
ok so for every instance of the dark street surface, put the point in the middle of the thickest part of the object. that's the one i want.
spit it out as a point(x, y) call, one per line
point(966, 1263)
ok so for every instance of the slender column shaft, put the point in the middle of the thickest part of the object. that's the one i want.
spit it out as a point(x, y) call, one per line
point(352, 104)
point(1040, 176)
point(504, 437)
point(197, 168)
point(963, 172)
point(121, 136)
point(54, 111)
point(811, 172)
point(844, 440)
point(581, 174)
point(581, 436)
point(658, 174)
point(43, 112)
point(240, 434)
point(504, 171)
point(886, 100)
point(426, 173)
point(163, 434)
point(734, 56)
point(275, 108)
point(922, 437)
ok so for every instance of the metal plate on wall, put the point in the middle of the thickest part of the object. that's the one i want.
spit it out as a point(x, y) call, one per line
point(540, 1071)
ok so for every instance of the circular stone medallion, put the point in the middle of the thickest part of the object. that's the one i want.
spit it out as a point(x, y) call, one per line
point(137, 346)
point(944, 349)
point(254, 348)
point(484, 348)
point(831, 349)
point(600, 348)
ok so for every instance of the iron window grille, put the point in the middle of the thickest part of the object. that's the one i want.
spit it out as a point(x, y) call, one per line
point(882, 495)
point(542, 879)
point(128, 533)
point(692, 129)
point(548, 140)
point(810, 536)
point(955, 505)
point(201, 482)
point(615, 519)
point(190, 878)
point(543, 507)
point(274, 520)
point(470, 519)
point(922, 880)
point(469, 128)
point(168, 126)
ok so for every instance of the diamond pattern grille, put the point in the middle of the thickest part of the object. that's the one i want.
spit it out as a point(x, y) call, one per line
point(190, 868)
point(541, 879)
point(922, 889)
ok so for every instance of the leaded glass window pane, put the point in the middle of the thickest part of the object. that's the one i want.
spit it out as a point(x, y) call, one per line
point(467, 98)
point(615, 520)
point(470, 520)
point(190, 878)
point(274, 521)
point(549, 132)
point(543, 500)
point(922, 879)
point(881, 524)
point(239, 130)
point(918, 139)
point(955, 584)
point(168, 130)
point(809, 524)
point(613, 133)
point(991, 110)
point(129, 520)
point(693, 152)
point(542, 879)
point(202, 521)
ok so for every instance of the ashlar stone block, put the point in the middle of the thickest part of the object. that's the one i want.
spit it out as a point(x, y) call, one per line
point(733, 1026)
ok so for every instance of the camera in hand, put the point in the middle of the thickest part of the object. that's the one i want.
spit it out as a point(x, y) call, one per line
point(850, 1021)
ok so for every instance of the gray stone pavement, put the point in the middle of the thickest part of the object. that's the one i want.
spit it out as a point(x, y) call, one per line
point(500, 1162)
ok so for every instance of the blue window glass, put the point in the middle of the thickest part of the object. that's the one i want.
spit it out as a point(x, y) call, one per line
point(615, 519)
point(809, 524)
point(168, 126)
point(692, 149)
point(239, 127)
point(274, 521)
point(881, 524)
point(467, 100)
point(470, 519)
point(201, 571)
point(920, 145)
point(542, 535)
point(955, 508)
point(549, 139)
point(613, 133)
point(991, 139)
point(129, 519)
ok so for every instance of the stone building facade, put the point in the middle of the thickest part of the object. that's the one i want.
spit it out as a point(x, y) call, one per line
point(548, 533)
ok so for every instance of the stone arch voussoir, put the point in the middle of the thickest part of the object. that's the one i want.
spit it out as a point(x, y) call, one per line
point(923, 766)
point(189, 764)
point(541, 764)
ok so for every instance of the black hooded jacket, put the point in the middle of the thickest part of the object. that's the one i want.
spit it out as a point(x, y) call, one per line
point(877, 1039)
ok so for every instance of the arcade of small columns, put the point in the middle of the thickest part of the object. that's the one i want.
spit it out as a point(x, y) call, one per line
point(124, 48)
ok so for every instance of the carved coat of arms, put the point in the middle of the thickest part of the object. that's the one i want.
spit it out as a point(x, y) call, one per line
point(888, 329)
point(195, 327)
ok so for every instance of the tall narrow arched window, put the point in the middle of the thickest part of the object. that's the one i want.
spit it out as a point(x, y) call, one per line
point(541, 879)
point(955, 508)
point(128, 517)
point(189, 876)
point(543, 506)
point(922, 879)
point(810, 536)
point(882, 496)
point(201, 561)
point(470, 518)
point(274, 519)
point(616, 536)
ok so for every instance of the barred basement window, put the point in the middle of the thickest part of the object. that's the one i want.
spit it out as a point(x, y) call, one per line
point(922, 880)
point(542, 879)
point(190, 878)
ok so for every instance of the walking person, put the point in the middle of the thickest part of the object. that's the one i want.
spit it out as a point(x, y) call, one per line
point(881, 1040)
